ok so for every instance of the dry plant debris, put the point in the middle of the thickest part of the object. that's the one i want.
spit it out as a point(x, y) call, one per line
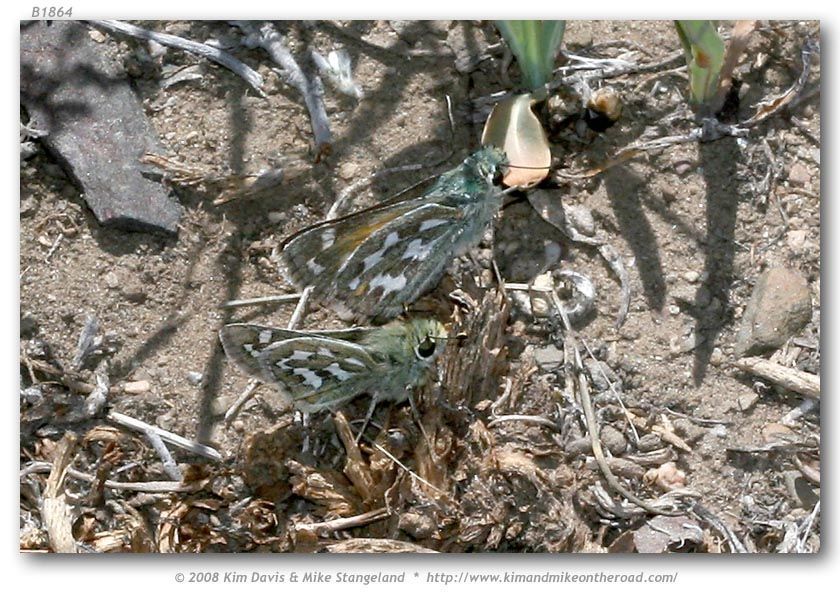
point(540, 434)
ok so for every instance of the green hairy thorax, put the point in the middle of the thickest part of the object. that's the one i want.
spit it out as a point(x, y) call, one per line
point(473, 176)
point(397, 342)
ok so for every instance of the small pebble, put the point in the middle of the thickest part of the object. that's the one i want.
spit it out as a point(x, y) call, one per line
point(687, 430)
point(416, 525)
point(666, 477)
point(776, 432)
point(691, 276)
point(779, 307)
point(613, 440)
point(581, 219)
point(718, 431)
point(681, 345)
point(134, 293)
point(796, 238)
point(548, 358)
point(682, 167)
point(194, 377)
point(649, 442)
point(137, 387)
point(799, 174)
point(717, 357)
point(97, 36)
point(348, 170)
point(673, 310)
point(553, 251)
point(111, 280)
point(27, 206)
point(157, 50)
point(747, 401)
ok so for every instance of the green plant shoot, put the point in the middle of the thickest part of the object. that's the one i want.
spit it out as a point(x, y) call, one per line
point(704, 52)
point(535, 45)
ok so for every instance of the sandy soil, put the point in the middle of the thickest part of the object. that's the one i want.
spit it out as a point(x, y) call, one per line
point(694, 225)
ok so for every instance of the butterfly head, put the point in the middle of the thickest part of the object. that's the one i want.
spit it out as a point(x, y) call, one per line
point(427, 337)
point(489, 164)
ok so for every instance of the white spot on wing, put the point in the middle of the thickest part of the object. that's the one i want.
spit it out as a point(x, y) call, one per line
point(309, 377)
point(431, 223)
point(392, 239)
point(327, 238)
point(373, 259)
point(314, 267)
point(417, 250)
point(325, 352)
point(355, 283)
point(249, 348)
point(265, 336)
point(339, 373)
point(354, 361)
point(388, 283)
point(296, 355)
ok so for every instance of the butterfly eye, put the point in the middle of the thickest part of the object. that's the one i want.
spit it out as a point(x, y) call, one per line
point(426, 348)
point(498, 175)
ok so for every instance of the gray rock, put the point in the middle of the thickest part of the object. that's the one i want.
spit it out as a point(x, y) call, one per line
point(649, 442)
point(548, 358)
point(747, 400)
point(418, 526)
point(780, 306)
point(691, 276)
point(577, 447)
point(194, 377)
point(688, 430)
point(613, 440)
point(134, 293)
point(96, 125)
point(799, 174)
point(602, 374)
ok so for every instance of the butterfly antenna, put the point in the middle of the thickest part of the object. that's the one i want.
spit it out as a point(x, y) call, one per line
point(524, 167)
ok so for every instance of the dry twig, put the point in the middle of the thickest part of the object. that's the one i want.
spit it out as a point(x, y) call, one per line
point(221, 57)
point(279, 299)
point(172, 438)
point(266, 37)
point(149, 487)
point(792, 380)
point(328, 527)
point(56, 512)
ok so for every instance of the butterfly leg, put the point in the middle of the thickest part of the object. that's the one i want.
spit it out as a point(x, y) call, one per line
point(417, 418)
point(368, 418)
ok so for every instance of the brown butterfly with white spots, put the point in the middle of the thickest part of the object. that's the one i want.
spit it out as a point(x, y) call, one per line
point(322, 369)
point(376, 261)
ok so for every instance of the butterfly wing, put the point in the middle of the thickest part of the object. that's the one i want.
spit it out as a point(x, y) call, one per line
point(376, 263)
point(324, 247)
point(244, 342)
point(395, 265)
point(316, 370)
